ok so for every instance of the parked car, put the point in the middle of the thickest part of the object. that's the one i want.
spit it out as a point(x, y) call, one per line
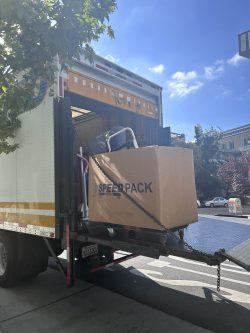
point(198, 203)
point(217, 202)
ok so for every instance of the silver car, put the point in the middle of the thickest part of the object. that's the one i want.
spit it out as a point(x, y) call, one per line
point(217, 202)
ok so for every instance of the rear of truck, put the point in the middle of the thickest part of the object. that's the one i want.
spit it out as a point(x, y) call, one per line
point(38, 190)
point(104, 99)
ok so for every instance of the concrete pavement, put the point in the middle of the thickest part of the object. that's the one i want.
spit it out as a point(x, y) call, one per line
point(46, 305)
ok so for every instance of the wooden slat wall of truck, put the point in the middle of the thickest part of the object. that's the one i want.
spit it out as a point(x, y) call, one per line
point(97, 90)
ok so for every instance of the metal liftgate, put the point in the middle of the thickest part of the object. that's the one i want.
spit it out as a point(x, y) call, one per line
point(240, 255)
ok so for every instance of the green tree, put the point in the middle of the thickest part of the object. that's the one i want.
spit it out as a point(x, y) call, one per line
point(206, 154)
point(207, 145)
point(32, 34)
point(198, 133)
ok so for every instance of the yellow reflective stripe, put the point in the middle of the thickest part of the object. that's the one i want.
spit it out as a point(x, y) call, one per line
point(37, 220)
point(29, 205)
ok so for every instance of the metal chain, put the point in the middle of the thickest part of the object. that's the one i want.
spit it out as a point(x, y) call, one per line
point(218, 277)
point(199, 253)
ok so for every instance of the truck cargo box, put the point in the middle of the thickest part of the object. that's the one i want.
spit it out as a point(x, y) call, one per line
point(158, 179)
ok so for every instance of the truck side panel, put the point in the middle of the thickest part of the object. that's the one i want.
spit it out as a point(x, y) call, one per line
point(27, 181)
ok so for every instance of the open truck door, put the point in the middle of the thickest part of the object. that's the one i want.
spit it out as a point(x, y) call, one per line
point(64, 165)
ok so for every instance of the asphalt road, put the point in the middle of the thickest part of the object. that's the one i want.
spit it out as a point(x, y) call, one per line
point(212, 233)
point(187, 289)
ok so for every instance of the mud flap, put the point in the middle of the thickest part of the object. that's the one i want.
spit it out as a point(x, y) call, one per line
point(240, 255)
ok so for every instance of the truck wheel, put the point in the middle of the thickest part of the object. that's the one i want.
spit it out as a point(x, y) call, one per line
point(33, 256)
point(40, 254)
point(9, 275)
point(226, 205)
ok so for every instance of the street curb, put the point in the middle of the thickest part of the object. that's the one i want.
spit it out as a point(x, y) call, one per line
point(231, 215)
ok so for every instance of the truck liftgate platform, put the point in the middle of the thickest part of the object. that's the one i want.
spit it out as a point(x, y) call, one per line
point(160, 244)
point(147, 242)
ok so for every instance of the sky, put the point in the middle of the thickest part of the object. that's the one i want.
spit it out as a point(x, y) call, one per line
point(190, 48)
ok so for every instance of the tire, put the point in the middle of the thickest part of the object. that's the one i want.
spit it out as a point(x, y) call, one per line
point(9, 274)
point(21, 257)
point(226, 205)
point(33, 256)
point(211, 205)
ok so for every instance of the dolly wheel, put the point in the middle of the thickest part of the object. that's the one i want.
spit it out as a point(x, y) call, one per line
point(181, 234)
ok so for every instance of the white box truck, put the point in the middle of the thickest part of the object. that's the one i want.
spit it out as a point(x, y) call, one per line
point(44, 184)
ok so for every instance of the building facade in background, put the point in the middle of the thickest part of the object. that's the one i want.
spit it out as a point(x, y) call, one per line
point(177, 138)
point(236, 140)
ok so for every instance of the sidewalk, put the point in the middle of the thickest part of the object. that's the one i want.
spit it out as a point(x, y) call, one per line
point(46, 305)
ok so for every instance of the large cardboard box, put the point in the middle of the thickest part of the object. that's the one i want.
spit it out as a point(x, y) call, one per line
point(159, 179)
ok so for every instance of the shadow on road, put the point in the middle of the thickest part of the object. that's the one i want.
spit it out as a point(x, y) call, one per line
point(214, 312)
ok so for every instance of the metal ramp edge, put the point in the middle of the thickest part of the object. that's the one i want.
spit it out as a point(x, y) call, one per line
point(240, 254)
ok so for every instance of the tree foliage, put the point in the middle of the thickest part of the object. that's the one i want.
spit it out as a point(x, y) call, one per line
point(234, 174)
point(206, 153)
point(207, 144)
point(32, 34)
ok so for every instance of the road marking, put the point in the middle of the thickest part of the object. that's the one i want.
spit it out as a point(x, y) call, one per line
point(232, 295)
point(162, 264)
point(225, 263)
point(234, 266)
point(234, 271)
point(158, 263)
point(205, 265)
